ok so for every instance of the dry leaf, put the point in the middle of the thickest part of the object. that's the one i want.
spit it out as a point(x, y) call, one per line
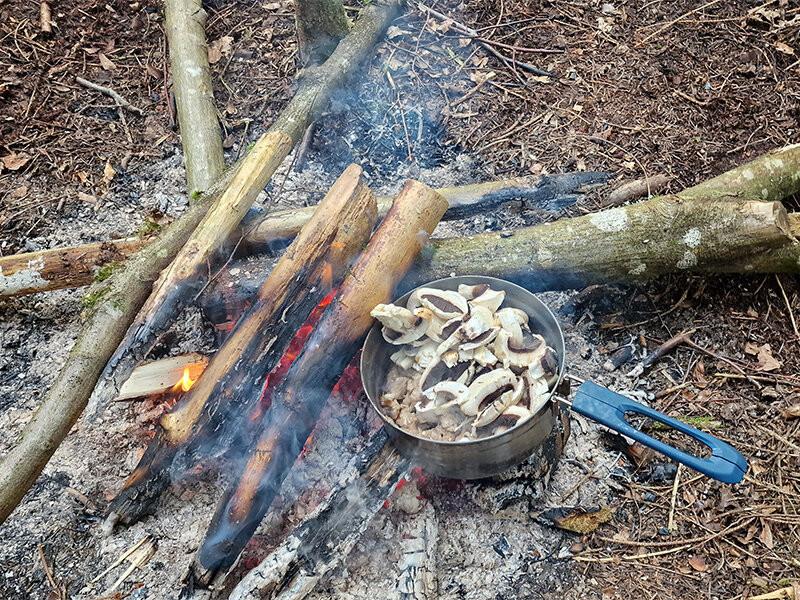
point(751, 349)
point(464, 42)
point(20, 192)
point(791, 412)
point(785, 48)
point(698, 563)
point(765, 537)
point(394, 32)
point(578, 520)
point(767, 362)
point(15, 161)
point(219, 48)
point(108, 172)
point(106, 63)
point(87, 198)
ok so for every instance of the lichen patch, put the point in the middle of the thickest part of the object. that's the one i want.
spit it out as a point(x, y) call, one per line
point(688, 260)
point(692, 237)
point(610, 221)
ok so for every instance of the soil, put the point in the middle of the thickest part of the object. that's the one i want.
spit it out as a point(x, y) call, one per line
point(635, 92)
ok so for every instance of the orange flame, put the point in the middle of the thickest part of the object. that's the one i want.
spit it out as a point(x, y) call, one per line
point(186, 382)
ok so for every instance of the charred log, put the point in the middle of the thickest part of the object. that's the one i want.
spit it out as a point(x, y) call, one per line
point(297, 400)
point(315, 261)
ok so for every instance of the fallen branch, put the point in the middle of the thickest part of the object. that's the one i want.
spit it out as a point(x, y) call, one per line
point(298, 398)
point(78, 265)
point(179, 283)
point(315, 261)
point(661, 351)
point(201, 137)
point(113, 94)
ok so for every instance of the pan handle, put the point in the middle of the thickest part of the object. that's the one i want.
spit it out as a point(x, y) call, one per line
point(600, 404)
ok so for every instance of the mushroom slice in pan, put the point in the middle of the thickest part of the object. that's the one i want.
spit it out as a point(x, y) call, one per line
point(484, 339)
point(445, 304)
point(529, 352)
point(472, 291)
point(490, 299)
point(439, 329)
point(402, 359)
point(513, 416)
point(426, 356)
point(511, 321)
point(480, 321)
point(484, 357)
point(450, 358)
point(440, 398)
point(499, 405)
point(483, 387)
point(538, 392)
point(545, 366)
point(400, 325)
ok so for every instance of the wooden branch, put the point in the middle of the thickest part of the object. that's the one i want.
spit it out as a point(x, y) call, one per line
point(59, 268)
point(320, 25)
point(162, 375)
point(113, 94)
point(299, 397)
point(632, 243)
point(323, 541)
point(216, 404)
point(201, 136)
point(179, 283)
point(76, 266)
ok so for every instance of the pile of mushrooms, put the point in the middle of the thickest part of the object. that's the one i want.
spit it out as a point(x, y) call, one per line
point(465, 367)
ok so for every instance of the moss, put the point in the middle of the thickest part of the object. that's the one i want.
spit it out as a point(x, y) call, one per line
point(705, 423)
point(195, 195)
point(106, 271)
point(91, 299)
point(148, 227)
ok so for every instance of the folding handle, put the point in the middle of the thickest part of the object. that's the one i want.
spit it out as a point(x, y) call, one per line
point(725, 464)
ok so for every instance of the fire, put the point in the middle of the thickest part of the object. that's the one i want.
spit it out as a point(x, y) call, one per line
point(186, 382)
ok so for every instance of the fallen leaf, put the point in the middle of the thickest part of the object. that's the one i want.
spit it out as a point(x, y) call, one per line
point(15, 161)
point(393, 32)
point(751, 349)
point(765, 537)
point(577, 520)
point(219, 48)
point(767, 362)
point(464, 42)
point(87, 198)
point(785, 48)
point(791, 412)
point(698, 563)
point(20, 192)
point(108, 172)
point(105, 62)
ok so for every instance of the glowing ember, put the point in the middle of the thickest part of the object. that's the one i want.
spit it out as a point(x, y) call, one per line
point(186, 382)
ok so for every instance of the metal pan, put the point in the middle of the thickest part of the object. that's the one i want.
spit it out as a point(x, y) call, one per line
point(488, 456)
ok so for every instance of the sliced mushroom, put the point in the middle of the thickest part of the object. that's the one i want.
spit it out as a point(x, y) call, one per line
point(538, 392)
point(545, 366)
point(480, 321)
point(472, 291)
point(439, 329)
point(426, 356)
point(514, 415)
point(466, 376)
point(450, 358)
point(402, 359)
point(499, 405)
point(440, 398)
point(484, 357)
point(509, 319)
point(531, 350)
point(484, 339)
point(445, 304)
point(400, 325)
point(490, 299)
point(484, 386)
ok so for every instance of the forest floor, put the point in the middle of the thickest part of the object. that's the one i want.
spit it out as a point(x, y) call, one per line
point(636, 91)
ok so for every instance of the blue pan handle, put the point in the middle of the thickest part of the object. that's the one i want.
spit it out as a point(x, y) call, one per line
point(725, 464)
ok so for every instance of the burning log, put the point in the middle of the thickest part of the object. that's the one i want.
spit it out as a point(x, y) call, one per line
point(298, 398)
point(315, 261)
point(327, 536)
point(76, 266)
point(185, 275)
point(418, 540)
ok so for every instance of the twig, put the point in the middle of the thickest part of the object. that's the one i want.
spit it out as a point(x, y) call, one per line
point(473, 91)
point(788, 307)
point(675, 485)
point(691, 541)
point(608, 559)
point(486, 44)
point(45, 18)
point(728, 361)
point(662, 350)
point(58, 590)
point(681, 18)
point(118, 98)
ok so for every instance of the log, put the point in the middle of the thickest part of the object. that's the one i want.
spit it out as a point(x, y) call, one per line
point(201, 136)
point(297, 400)
point(419, 536)
point(316, 260)
point(76, 266)
point(185, 275)
point(162, 375)
point(633, 243)
point(320, 25)
point(326, 537)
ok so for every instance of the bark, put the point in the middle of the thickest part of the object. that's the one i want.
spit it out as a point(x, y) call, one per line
point(76, 266)
point(632, 243)
point(315, 261)
point(320, 26)
point(201, 136)
point(297, 400)
point(183, 279)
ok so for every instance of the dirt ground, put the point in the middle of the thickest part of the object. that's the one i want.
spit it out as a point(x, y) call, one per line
point(633, 92)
